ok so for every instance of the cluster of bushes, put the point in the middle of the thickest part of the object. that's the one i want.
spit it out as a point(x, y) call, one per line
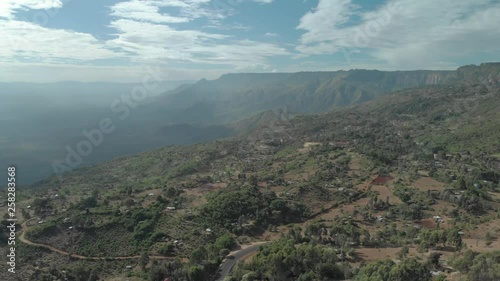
point(387, 270)
point(89, 202)
point(76, 274)
point(203, 262)
point(76, 271)
point(141, 223)
point(229, 206)
point(344, 232)
point(484, 267)
point(42, 206)
point(341, 228)
point(411, 195)
point(440, 237)
point(286, 260)
point(187, 168)
point(175, 270)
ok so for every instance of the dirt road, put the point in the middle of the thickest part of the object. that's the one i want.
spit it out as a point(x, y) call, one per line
point(23, 239)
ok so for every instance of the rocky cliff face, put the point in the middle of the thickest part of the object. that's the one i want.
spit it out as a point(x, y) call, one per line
point(484, 73)
point(234, 97)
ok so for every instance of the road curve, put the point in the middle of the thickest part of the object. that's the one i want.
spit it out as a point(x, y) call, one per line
point(23, 239)
point(224, 270)
point(228, 264)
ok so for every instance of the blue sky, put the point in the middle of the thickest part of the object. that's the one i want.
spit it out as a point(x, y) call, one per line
point(112, 40)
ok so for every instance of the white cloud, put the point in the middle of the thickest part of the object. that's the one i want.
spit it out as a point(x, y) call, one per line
point(399, 34)
point(152, 42)
point(155, 41)
point(143, 10)
point(232, 26)
point(27, 41)
point(8, 8)
point(323, 23)
point(241, 54)
point(187, 10)
point(146, 34)
point(149, 36)
point(270, 34)
point(403, 33)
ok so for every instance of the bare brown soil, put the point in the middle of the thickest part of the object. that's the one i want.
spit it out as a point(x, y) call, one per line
point(375, 254)
point(382, 180)
point(427, 223)
point(426, 183)
point(385, 192)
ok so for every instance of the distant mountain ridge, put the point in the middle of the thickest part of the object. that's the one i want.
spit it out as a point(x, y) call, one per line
point(435, 117)
point(200, 112)
point(234, 97)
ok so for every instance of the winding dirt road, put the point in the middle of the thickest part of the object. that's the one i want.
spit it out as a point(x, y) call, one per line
point(23, 239)
point(225, 267)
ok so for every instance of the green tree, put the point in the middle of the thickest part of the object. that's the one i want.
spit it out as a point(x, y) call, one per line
point(198, 255)
point(171, 192)
point(485, 267)
point(376, 271)
point(403, 253)
point(250, 276)
point(387, 270)
point(461, 184)
point(279, 205)
point(455, 239)
point(308, 276)
point(224, 252)
point(253, 180)
point(144, 260)
point(26, 214)
point(89, 202)
point(196, 273)
point(94, 275)
point(489, 239)
point(464, 262)
point(330, 271)
point(434, 260)
point(440, 277)
point(166, 249)
point(226, 241)
point(410, 270)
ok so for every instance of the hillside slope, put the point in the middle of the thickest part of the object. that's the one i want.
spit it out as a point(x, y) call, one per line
point(343, 188)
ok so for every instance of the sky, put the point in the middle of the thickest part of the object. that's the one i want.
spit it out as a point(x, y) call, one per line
point(120, 41)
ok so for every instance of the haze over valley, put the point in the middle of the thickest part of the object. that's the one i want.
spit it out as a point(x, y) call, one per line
point(180, 112)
